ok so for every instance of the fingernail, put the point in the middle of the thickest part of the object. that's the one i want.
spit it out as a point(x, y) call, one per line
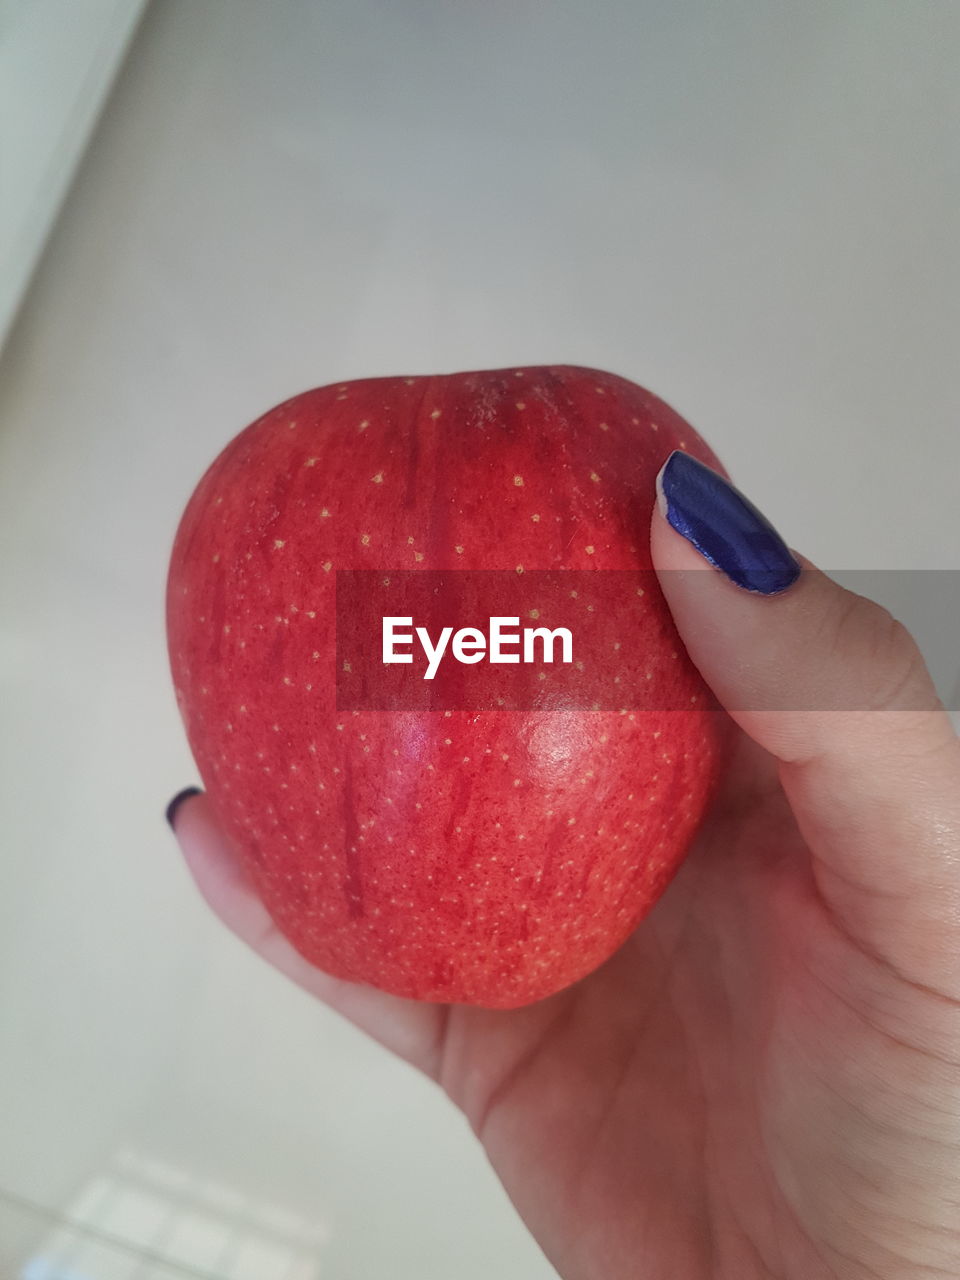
point(724, 526)
point(178, 800)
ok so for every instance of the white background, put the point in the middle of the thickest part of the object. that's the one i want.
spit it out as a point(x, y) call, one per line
point(750, 208)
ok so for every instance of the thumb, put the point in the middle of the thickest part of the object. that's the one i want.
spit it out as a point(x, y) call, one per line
point(838, 692)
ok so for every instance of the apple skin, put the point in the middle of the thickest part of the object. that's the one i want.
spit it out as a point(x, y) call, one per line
point(488, 858)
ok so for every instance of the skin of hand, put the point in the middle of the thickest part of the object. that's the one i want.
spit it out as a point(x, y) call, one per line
point(765, 1080)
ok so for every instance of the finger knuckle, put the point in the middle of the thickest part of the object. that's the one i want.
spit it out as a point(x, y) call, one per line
point(894, 661)
point(879, 652)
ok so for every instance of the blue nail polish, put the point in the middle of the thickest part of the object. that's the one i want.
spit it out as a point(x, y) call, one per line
point(724, 526)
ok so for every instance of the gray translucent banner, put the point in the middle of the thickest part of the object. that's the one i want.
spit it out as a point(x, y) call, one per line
point(604, 640)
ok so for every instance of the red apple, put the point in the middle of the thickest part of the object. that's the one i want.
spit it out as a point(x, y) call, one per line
point(488, 857)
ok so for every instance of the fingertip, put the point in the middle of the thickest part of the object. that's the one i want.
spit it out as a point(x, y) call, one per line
point(173, 807)
point(670, 549)
point(660, 505)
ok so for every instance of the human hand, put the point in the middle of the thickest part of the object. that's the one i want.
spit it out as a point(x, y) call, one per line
point(765, 1080)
